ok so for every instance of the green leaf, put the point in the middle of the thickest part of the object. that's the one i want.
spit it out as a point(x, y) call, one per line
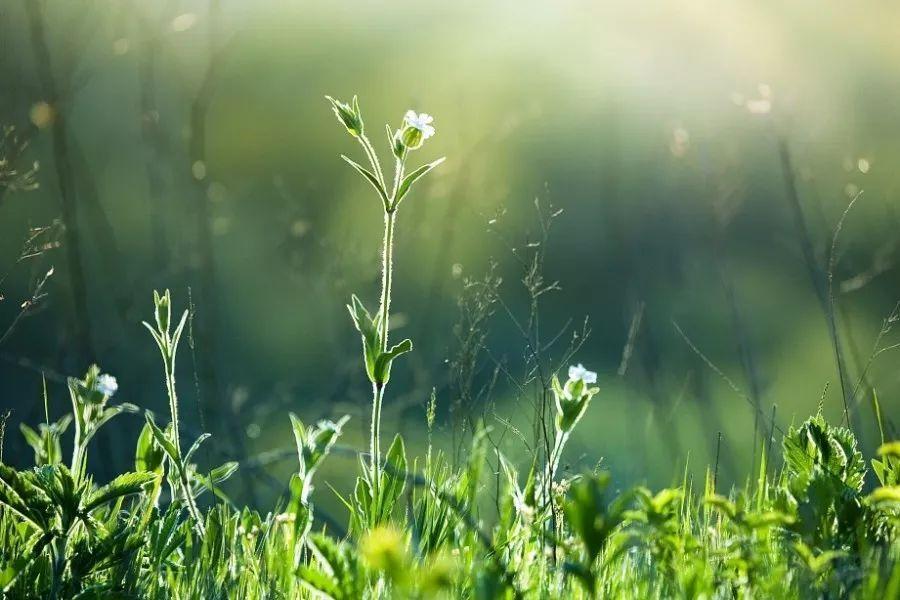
point(20, 493)
point(195, 446)
point(369, 177)
point(148, 455)
point(177, 336)
point(393, 478)
point(163, 440)
point(224, 471)
point(123, 485)
point(369, 331)
point(410, 179)
point(319, 582)
point(18, 565)
point(382, 369)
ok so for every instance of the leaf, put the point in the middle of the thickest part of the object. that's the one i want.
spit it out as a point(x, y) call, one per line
point(20, 494)
point(163, 440)
point(123, 485)
point(319, 582)
point(32, 438)
point(383, 362)
point(223, 471)
point(195, 446)
point(156, 337)
point(368, 329)
point(148, 455)
point(410, 179)
point(369, 177)
point(393, 478)
point(18, 565)
point(176, 337)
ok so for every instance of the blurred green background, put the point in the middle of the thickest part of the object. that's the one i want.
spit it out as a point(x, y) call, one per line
point(200, 155)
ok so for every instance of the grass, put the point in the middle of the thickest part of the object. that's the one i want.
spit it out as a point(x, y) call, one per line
point(816, 520)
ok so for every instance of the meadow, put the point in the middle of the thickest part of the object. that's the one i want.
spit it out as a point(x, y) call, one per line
point(618, 320)
point(802, 528)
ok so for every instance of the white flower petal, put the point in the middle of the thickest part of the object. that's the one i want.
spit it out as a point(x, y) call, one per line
point(106, 385)
point(578, 371)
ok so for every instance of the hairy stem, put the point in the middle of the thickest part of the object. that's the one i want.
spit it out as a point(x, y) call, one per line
point(176, 441)
point(384, 309)
point(375, 442)
point(373, 158)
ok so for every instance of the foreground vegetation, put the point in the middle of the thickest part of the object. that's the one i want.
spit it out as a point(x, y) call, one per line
point(813, 522)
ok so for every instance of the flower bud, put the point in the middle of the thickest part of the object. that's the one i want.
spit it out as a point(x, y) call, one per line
point(349, 116)
point(412, 138)
point(397, 146)
point(163, 310)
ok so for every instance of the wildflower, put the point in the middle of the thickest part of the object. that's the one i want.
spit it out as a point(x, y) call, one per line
point(572, 398)
point(385, 550)
point(107, 385)
point(416, 129)
point(579, 372)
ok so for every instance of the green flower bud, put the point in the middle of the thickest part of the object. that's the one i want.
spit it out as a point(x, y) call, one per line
point(349, 116)
point(163, 304)
point(412, 138)
point(397, 145)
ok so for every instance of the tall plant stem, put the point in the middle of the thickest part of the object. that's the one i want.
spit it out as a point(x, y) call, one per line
point(375, 442)
point(384, 309)
point(192, 508)
point(390, 218)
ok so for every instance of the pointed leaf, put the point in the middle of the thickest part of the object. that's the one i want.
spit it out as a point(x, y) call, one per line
point(369, 177)
point(123, 485)
point(410, 179)
point(384, 360)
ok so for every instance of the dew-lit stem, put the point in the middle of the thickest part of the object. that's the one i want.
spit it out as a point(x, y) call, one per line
point(176, 441)
point(387, 255)
point(373, 158)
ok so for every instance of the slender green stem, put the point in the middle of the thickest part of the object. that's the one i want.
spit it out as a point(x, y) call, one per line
point(555, 455)
point(191, 504)
point(173, 405)
point(384, 311)
point(399, 171)
point(375, 442)
point(373, 158)
point(386, 276)
point(387, 254)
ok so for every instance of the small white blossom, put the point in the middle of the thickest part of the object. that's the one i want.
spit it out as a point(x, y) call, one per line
point(422, 122)
point(106, 385)
point(579, 372)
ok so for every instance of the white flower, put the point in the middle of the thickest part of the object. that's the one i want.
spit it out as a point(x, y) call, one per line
point(579, 372)
point(422, 122)
point(106, 385)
